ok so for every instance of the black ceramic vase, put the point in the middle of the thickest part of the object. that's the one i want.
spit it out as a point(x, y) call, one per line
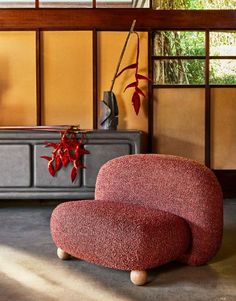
point(109, 111)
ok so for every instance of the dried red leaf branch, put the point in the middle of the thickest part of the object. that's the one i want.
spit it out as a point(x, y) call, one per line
point(68, 150)
point(138, 77)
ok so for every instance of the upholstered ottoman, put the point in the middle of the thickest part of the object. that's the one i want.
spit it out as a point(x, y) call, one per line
point(118, 235)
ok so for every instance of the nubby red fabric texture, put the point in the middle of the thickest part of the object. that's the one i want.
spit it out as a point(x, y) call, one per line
point(119, 235)
point(173, 184)
point(148, 210)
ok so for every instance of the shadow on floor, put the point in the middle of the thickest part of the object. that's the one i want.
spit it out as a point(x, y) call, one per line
point(30, 270)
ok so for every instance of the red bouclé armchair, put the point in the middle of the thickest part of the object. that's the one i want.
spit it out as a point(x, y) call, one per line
point(148, 210)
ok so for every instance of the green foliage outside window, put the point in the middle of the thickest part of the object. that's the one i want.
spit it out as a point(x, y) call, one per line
point(177, 43)
point(182, 71)
point(174, 72)
point(174, 43)
point(223, 72)
point(194, 4)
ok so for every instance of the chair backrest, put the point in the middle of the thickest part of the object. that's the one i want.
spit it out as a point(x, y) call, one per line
point(174, 184)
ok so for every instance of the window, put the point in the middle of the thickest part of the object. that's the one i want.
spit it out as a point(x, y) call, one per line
point(156, 4)
point(17, 3)
point(194, 4)
point(194, 81)
point(222, 58)
point(181, 58)
point(75, 3)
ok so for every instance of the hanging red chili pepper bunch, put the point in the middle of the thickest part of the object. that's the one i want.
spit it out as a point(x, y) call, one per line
point(138, 77)
point(68, 150)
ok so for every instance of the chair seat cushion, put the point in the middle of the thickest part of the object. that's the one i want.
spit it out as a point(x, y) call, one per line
point(119, 235)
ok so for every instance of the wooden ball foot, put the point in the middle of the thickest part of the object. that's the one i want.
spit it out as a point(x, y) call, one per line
point(138, 277)
point(62, 254)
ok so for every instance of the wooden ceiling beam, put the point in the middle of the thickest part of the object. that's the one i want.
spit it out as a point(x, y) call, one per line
point(115, 19)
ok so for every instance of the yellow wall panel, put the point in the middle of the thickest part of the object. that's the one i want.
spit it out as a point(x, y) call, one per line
point(67, 77)
point(179, 122)
point(17, 78)
point(110, 45)
point(223, 128)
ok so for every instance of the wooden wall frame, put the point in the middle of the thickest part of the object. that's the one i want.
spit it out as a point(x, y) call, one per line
point(118, 19)
point(115, 19)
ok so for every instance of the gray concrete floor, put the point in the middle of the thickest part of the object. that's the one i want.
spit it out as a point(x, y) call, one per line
point(30, 270)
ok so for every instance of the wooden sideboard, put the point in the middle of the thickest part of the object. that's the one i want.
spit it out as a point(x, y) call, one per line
point(24, 175)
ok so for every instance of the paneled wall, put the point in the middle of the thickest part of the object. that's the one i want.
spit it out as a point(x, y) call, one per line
point(67, 92)
point(109, 48)
point(67, 77)
point(179, 122)
point(17, 78)
point(223, 128)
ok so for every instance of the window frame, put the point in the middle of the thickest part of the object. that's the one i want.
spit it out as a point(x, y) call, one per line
point(207, 57)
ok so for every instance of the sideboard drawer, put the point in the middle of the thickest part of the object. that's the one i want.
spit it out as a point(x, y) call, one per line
point(15, 165)
point(42, 178)
point(98, 155)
